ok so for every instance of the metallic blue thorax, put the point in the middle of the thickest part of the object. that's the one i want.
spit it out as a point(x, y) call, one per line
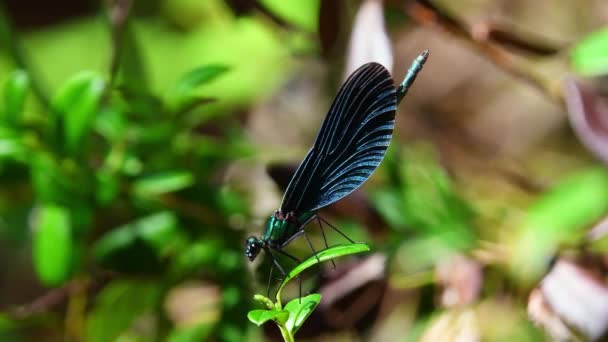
point(281, 227)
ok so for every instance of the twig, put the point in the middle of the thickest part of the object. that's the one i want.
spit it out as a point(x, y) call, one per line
point(56, 297)
point(118, 12)
point(486, 40)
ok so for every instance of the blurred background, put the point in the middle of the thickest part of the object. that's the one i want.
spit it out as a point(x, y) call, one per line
point(141, 142)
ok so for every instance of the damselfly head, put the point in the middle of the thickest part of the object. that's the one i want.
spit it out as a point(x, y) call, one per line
point(253, 246)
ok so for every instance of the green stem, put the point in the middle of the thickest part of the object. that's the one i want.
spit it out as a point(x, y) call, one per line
point(287, 335)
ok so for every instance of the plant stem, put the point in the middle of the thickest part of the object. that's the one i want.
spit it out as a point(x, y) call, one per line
point(287, 335)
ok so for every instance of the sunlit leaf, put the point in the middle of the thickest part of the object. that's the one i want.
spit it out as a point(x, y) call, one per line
point(324, 255)
point(11, 144)
point(15, 90)
point(53, 245)
point(299, 310)
point(163, 182)
point(260, 317)
point(590, 55)
point(76, 102)
point(183, 93)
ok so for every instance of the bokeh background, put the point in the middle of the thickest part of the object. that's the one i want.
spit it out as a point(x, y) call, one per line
point(141, 142)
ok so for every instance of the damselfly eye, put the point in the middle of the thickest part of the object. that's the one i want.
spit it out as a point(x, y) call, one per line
point(252, 248)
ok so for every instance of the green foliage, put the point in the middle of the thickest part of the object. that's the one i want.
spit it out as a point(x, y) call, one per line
point(53, 245)
point(122, 179)
point(76, 105)
point(559, 218)
point(156, 231)
point(118, 306)
point(260, 317)
point(15, 91)
point(420, 203)
point(183, 94)
point(162, 182)
point(590, 55)
point(290, 318)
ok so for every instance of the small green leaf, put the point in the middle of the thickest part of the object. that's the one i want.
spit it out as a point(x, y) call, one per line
point(157, 230)
point(590, 56)
point(11, 144)
point(260, 317)
point(183, 94)
point(53, 245)
point(299, 310)
point(162, 182)
point(15, 90)
point(76, 102)
point(324, 255)
point(391, 206)
point(264, 301)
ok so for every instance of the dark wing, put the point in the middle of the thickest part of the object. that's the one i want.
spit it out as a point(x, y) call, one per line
point(350, 144)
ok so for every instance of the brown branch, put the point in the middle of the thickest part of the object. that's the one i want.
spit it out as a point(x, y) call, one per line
point(56, 297)
point(490, 42)
point(118, 12)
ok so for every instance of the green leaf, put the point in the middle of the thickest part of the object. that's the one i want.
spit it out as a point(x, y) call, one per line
point(299, 310)
point(324, 255)
point(560, 217)
point(390, 204)
point(157, 230)
point(108, 186)
point(53, 245)
point(195, 333)
point(15, 90)
point(183, 93)
point(303, 14)
point(162, 182)
point(6, 323)
point(590, 56)
point(11, 144)
point(198, 254)
point(260, 317)
point(118, 306)
point(76, 102)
